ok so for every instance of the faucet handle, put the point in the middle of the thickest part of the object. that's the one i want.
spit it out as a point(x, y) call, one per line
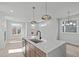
point(40, 37)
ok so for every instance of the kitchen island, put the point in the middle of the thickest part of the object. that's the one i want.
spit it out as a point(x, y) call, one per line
point(47, 48)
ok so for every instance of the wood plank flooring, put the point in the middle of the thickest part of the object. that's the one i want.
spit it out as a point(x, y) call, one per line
point(13, 48)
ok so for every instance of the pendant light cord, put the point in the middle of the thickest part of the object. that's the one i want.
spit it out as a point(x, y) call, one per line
point(33, 13)
point(68, 15)
point(46, 7)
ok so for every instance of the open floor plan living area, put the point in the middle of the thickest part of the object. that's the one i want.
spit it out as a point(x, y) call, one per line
point(39, 29)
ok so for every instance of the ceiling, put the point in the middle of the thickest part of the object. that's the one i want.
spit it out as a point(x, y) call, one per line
point(23, 10)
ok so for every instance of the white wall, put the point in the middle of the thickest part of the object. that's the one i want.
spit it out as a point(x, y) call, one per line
point(25, 29)
point(28, 29)
point(49, 32)
point(1, 38)
point(2, 31)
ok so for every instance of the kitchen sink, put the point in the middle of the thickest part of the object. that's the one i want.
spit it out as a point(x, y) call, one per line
point(36, 40)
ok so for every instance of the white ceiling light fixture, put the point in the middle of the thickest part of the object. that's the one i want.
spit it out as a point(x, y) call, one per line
point(13, 24)
point(46, 16)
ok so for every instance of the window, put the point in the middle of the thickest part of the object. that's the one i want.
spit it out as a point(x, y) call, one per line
point(70, 26)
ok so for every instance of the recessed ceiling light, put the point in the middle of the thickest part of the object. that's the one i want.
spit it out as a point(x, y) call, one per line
point(11, 11)
point(13, 24)
point(24, 18)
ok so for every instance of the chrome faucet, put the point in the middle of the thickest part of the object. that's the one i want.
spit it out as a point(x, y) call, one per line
point(39, 33)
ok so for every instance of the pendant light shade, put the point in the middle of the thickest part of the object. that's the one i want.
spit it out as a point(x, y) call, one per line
point(33, 22)
point(46, 17)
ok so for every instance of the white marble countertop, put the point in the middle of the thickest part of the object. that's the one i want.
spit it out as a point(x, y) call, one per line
point(72, 42)
point(47, 46)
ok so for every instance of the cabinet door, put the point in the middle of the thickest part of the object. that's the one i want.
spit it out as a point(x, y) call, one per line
point(33, 51)
point(30, 50)
point(40, 53)
point(37, 55)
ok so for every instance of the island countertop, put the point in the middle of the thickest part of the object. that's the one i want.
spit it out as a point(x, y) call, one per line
point(47, 45)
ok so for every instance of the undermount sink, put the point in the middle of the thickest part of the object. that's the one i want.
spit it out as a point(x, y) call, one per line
point(36, 40)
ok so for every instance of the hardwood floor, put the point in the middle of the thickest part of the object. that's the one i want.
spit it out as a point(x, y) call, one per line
point(13, 48)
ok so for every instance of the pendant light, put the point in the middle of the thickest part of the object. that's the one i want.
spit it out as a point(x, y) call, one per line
point(68, 17)
point(68, 22)
point(33, 22)
point(46, 16)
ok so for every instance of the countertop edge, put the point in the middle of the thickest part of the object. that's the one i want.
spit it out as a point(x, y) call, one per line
point(62, 42)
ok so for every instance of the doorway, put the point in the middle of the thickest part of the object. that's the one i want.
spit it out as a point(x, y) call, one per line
point(16, 30)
